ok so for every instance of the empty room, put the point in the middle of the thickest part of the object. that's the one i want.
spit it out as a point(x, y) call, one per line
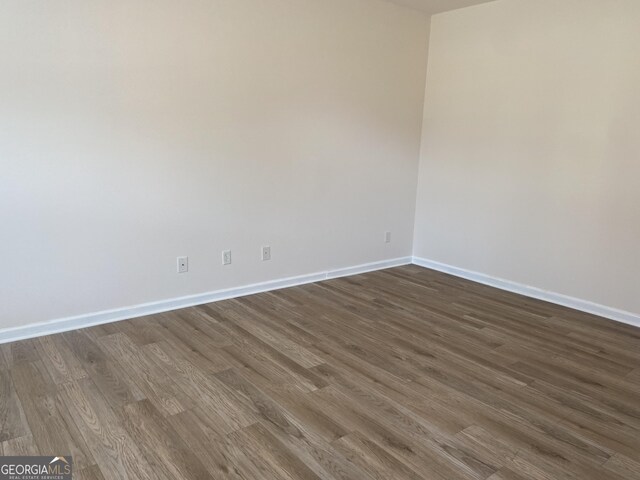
point(320, 239)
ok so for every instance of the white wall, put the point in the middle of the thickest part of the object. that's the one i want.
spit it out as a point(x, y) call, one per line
point(530, 163)
point(134, 131)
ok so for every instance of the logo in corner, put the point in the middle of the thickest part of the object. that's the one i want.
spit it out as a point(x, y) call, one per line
point(36, 468)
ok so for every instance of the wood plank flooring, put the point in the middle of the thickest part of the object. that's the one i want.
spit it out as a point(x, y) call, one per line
point(399, 374)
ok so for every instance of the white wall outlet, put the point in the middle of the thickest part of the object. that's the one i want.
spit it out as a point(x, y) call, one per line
point(183, 264)
point(387, 237)
point(226, 257)
point(266, 253)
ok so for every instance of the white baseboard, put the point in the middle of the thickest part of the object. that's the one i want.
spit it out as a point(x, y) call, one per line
point(552, 297)
point(108, 316)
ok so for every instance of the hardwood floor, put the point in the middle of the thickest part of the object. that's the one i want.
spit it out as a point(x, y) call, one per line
point(399, 374)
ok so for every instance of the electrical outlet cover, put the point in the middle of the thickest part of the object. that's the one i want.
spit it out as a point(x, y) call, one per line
point(183, 264)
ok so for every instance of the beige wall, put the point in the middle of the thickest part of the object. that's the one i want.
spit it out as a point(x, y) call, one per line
point(135, 131)
point(530, 163)
point(436, 6)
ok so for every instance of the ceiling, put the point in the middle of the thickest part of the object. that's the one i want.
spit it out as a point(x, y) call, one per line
point(436, 6)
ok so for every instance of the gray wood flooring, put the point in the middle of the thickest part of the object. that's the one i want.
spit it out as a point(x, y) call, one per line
point(399, 374)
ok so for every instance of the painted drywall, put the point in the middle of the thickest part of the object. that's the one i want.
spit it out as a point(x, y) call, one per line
point(134, 131)
point(530, 166)
point(437, 6)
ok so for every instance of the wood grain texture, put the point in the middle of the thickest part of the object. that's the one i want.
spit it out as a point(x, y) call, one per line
point(399, 374)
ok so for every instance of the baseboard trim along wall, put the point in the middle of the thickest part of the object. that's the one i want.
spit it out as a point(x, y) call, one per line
point(533, 292)
point(108, 316)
